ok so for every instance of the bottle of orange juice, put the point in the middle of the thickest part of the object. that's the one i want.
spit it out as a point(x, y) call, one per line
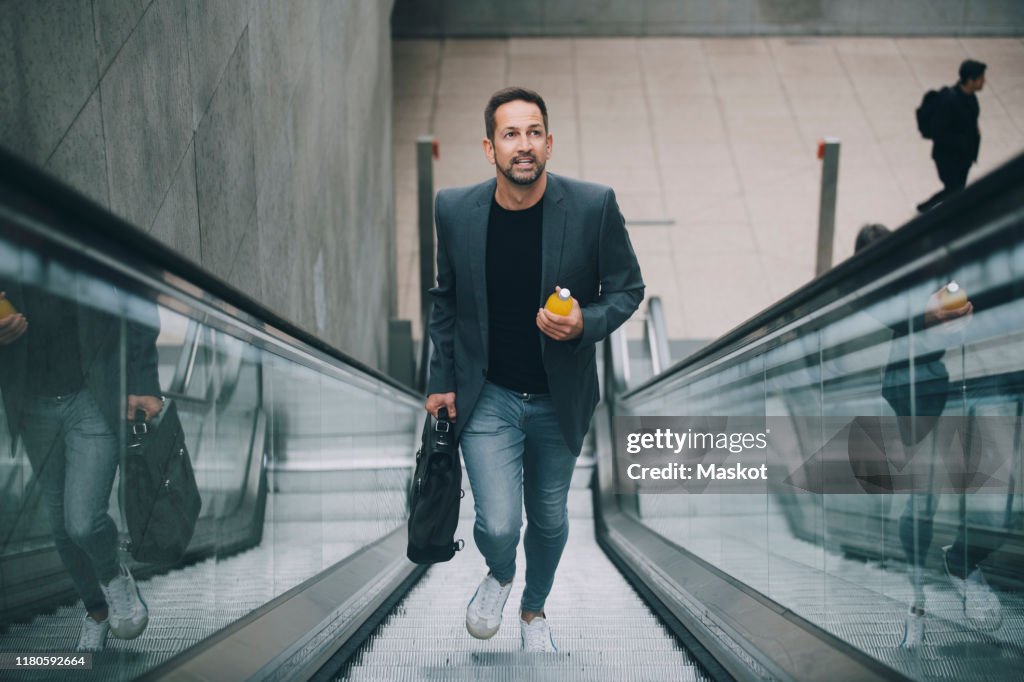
point(560, 303)
point(6, 309)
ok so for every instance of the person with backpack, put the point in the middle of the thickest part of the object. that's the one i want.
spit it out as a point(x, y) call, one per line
point(520, 380)
point(949, 117)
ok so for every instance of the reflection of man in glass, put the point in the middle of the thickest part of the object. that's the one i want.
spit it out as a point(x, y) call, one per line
point(63, 378)
point(923, 395)
point(917, 385)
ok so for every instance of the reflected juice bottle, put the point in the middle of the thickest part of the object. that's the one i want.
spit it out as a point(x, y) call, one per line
point(953, 296)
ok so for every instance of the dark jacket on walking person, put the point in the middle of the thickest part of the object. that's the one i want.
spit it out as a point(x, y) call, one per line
point(955, 135)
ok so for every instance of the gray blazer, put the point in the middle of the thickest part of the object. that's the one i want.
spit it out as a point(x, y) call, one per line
point(585, 247)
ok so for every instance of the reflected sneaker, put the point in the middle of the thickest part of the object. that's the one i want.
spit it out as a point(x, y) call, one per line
point(981, 605)
point(128, 613)
point(483, 613)
point(913, 629)
point(94, 635)
point(536, 635)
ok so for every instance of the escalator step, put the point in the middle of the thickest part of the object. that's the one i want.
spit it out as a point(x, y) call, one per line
point(601, 627)
point(532, 668)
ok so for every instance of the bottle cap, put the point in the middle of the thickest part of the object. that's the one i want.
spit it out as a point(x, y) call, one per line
point(564, 294)
point(953, 287)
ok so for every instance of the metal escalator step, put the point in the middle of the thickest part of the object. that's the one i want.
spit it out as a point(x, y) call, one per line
point(53, 642)
point(540, 669)
point(602, 628)
point(439, 657)
point(937, 665)
point(426, 617)
point(349, 505)
point(582, 644)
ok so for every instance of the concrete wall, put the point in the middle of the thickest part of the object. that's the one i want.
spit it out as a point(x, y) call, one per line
point(253, 137)
point(491, 18)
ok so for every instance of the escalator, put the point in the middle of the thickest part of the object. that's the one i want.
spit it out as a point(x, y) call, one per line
point(592, 608)
point(303, 457)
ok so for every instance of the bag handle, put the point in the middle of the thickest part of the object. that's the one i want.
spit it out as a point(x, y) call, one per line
point(442, 428)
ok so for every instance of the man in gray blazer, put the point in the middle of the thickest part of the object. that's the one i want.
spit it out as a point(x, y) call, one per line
point(521, 381)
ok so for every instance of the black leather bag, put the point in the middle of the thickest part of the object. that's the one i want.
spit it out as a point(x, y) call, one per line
point(160, 493)
point(435, 495)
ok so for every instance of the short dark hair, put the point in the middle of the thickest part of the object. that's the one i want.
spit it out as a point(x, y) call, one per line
point(507, 95)
point(971, 69)
point(869, 234)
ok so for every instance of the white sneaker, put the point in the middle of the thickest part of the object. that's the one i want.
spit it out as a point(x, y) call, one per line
point(981, 605)
point(94, 635)
point(128, 613)
point(483, 613)
point(536, 635)
point(913, 629)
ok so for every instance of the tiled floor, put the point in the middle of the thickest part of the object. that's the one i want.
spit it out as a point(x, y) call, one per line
point(710, 145)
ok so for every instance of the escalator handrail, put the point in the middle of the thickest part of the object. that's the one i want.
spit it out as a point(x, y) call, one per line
point(83, 221)
point(657, 336)
point(924, 234)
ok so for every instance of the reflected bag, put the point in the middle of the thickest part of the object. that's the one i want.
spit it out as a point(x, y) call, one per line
point(435, 495)
point(161, 497)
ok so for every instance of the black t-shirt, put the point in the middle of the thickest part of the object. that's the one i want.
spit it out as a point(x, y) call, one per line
point(54, 360)
point(513, 295)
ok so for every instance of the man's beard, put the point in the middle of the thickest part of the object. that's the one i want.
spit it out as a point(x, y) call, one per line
point(524, 180)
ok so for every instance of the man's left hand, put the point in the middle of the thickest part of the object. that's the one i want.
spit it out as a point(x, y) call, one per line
point(150, 404)
point(561, 327)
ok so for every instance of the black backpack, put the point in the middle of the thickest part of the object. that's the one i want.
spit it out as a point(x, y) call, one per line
point(927, 113)
point(435, 494)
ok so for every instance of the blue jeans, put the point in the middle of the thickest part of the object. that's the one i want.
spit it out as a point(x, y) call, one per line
point(514, 450)
point(75, 455)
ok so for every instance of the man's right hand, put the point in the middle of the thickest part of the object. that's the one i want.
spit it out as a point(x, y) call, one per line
point(435, 401)
point(11, 328)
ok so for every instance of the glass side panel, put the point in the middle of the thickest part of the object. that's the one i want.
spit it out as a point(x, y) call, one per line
point(922, 565)
point(299, 460)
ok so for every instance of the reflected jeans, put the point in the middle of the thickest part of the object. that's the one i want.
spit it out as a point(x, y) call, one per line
point(515, 452)
point(916, 526)
point(979, 517)
point(75, 455)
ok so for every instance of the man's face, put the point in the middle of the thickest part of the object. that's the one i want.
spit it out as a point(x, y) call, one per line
point(521, 146)
point(976, 84)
